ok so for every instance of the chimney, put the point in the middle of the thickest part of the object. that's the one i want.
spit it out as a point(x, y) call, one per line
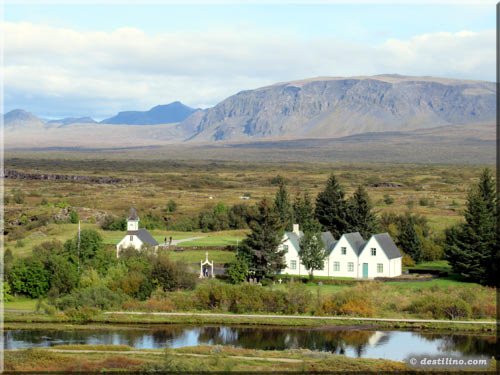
point(296, 229)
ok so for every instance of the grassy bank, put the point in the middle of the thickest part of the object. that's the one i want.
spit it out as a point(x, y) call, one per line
point(32, 320)
point(204, 358)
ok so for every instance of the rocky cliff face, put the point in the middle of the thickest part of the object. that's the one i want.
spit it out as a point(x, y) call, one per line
point(336, 107)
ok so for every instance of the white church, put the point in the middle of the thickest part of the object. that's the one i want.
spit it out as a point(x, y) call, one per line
point(135, 237)
point(350, 256)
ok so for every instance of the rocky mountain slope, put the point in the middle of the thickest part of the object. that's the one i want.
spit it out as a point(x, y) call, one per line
point(19, 119)
point(336, 107)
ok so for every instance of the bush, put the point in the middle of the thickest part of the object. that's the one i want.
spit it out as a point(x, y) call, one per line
point(98, 297)
point(74, 217)
point(171, 276)
point(237, 271)
point(356, 301)
point(110, 222)
point(171, 206)
point(438, 305)
point(18, 196)
point(82, 314)
point(388, 200)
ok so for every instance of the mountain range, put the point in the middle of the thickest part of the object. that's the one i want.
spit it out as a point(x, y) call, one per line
point(316, 108)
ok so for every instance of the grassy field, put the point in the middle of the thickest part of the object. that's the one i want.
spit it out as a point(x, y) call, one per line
point(70, 359)
point(436, 191)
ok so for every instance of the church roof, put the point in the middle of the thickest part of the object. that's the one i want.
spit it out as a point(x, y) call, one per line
point(133, 214)
point(144, 236)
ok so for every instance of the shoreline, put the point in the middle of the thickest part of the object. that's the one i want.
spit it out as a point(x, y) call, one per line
point(121, 319)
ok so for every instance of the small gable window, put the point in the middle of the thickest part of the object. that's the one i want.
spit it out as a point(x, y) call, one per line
point(374, 251)
point(343, 250)
point(293, 264)
point(336, 266)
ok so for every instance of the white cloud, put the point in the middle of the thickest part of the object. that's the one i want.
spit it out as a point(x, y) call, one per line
point(56, 71)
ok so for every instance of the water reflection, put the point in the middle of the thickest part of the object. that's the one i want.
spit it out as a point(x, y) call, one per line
point(396, 345)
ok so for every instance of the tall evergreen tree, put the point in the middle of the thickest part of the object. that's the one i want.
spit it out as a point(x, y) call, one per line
point(312, 250)
point(331, 208)
point(360, 215)
point(260, 248)
point(471, 247)
point(303, 211)
point(283, 205)
point(408, 239)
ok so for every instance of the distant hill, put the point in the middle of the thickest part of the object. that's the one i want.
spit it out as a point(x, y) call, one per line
point(19, 119)
point(161, 114)
point(332, 107)
point(72, 120)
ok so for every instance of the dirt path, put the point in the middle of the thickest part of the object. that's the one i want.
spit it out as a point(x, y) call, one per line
point(218, 315)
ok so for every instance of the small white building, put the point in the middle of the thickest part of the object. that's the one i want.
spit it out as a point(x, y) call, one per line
point(135, 237)
point(350, 256)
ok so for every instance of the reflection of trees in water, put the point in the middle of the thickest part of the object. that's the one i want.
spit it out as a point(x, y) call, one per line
point(467, 344)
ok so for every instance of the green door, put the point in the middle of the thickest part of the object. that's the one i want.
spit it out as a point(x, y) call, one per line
point(365, 270)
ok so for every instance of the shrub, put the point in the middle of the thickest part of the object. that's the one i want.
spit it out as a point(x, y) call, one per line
point(438, 305)
point(388, 200)
point(82, 314)
point(18, 196)
point(357, 301)
point(170, 275)
point(99, 297)
point(171, 206)
point(110, 222)
point(74, 217)
point(237, 271)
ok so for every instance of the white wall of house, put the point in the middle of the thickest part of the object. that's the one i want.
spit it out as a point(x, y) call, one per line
point(379, 265)
point(127, 241)
point(293, 264)
point(132, 225)
point(343, 260)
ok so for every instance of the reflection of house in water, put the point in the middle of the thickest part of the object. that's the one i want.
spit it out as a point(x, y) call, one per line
point(378, 338)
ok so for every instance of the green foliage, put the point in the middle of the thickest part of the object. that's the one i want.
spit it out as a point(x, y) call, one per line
point(237, 271)
point(303, 212)
point(171, 276)
point(260, 248)
point(74, 217)
point(388, 200)
point(98, 297)
point(111, 222)
point(408, 239)
point(283, 206)
point(171, 206)
point(29, 277)
point(471, 247)
point(312, 250)
point(6, 292)
point(331, 208)
point(360, 215)
point(438, 306)
point(91, 244)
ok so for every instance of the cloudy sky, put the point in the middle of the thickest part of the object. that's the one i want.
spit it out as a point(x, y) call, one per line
point(96, 60)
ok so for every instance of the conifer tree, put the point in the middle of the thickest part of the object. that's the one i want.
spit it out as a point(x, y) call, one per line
point(471, 247)
point(361, 217)
point(303, 211)
point(283, 205)
point(408, 239)
point(312, 250)
point(331, 208)
point(260, 248)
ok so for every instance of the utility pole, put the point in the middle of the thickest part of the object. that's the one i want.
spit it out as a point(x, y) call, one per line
point(78, 247)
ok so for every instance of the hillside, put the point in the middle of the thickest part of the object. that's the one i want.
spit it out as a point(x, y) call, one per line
point(19, 119)
point(337, 107)
point(161, 114)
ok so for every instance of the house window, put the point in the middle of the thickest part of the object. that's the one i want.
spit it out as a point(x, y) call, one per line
point(350, 267)
point(380, 268)
point(293, 264)
point(343, 250)
point(131, 238)
point(285, 247)
point(374, 251)
point(336, 266)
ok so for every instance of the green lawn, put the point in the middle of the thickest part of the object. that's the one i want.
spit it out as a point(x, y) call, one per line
point(441, 265)
point(195, 256)
point(21, 303)
point(223, 238)
point(439, 282)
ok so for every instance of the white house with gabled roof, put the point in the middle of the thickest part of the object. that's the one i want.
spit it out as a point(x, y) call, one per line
point(347, 257)
point(135, 237)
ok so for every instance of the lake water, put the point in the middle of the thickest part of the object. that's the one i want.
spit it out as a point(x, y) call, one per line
point(395, 345)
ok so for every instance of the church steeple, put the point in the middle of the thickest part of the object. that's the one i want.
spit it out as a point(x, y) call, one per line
point(133, 220)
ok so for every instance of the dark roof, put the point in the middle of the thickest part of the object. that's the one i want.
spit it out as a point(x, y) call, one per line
point(133, 214)
point(356, 241)
point(326, 237)
point(387, 244)
point(144, 236)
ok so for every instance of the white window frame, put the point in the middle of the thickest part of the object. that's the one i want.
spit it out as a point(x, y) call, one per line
point(374, 251)
point(293, 264)
point(336, 266)
point(343, 250)
point(350, 267)
point(380, 267)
